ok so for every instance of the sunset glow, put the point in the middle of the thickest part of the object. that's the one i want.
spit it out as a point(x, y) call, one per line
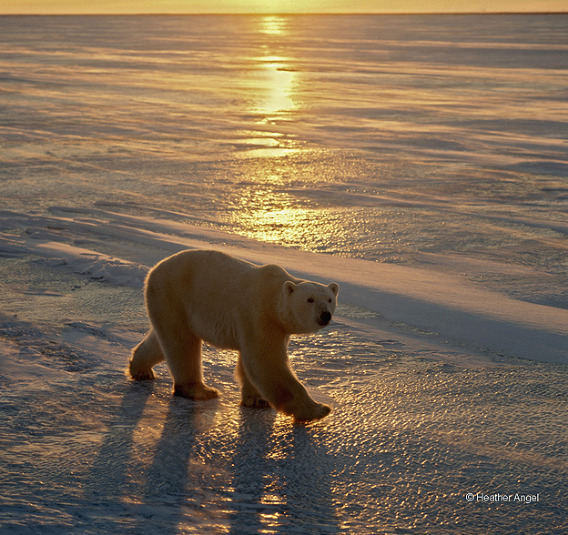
point(276, 6)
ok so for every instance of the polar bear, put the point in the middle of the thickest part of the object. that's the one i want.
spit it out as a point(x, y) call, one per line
point(232, 304)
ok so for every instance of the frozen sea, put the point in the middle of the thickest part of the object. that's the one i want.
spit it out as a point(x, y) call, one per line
point(419, 161)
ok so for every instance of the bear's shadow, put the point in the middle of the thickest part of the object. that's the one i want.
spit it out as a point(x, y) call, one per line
point(281, 480)
point(276, 476)
point(156, 494)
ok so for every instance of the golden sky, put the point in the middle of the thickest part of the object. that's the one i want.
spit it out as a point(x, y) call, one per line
point(277, 6)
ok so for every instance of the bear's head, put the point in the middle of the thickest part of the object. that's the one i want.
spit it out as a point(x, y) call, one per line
point(309, 305)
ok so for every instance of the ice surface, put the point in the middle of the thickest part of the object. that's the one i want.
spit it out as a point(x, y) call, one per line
point(418, 161)
point(87, 451)
point(423, 411)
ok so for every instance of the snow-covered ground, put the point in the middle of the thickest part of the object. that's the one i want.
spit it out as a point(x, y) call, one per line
point(446, 361)
point(426, 407)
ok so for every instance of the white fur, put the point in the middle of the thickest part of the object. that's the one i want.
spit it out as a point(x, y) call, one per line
point(207, 295)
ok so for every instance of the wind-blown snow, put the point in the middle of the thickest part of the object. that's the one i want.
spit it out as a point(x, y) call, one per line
point(443, 304)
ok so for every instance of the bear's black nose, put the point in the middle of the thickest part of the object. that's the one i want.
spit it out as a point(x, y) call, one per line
point(325, 317)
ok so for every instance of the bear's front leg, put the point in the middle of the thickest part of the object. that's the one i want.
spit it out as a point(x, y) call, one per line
point(275, 381)
point(145, 355)
point(250, 396)
point(308, 410)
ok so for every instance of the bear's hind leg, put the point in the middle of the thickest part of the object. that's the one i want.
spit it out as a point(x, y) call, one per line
point(250, 396)
point(187, 372)
point(181, 347)
point(145, 356)
point(182, 350)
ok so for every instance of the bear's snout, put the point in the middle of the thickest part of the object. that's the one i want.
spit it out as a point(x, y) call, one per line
point(325, 318)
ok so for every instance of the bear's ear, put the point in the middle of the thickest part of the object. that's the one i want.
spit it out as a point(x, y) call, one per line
point(334, 287)
point(288, 288)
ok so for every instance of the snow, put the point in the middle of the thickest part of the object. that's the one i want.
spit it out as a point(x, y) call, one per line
point(426, 407)
point(436, 300)
point(441, 214)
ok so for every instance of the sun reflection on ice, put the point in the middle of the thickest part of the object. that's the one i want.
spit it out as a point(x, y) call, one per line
point(278, 90)
point(278, 80)
point(270, 89)
point(273, 25)
point(264, 210)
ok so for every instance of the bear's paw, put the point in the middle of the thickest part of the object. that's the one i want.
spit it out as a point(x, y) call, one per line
point(139, 373)
point(254, 402)
point(313, 411)
point(195, 391)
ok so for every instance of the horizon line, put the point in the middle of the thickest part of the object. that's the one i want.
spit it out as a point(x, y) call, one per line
point(284, 13)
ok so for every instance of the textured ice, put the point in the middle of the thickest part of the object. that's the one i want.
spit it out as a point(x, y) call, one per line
point(87, 451)
point(417, 423)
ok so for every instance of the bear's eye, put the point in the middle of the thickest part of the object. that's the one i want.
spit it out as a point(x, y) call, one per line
point(310, 299)
point(329, 300)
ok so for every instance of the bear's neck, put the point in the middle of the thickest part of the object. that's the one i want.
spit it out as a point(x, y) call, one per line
point(288, 321)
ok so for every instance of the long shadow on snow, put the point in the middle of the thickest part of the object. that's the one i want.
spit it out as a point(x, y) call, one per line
point(281, 481)
point(109, 472)
point(166, 500)
point(278, 478)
